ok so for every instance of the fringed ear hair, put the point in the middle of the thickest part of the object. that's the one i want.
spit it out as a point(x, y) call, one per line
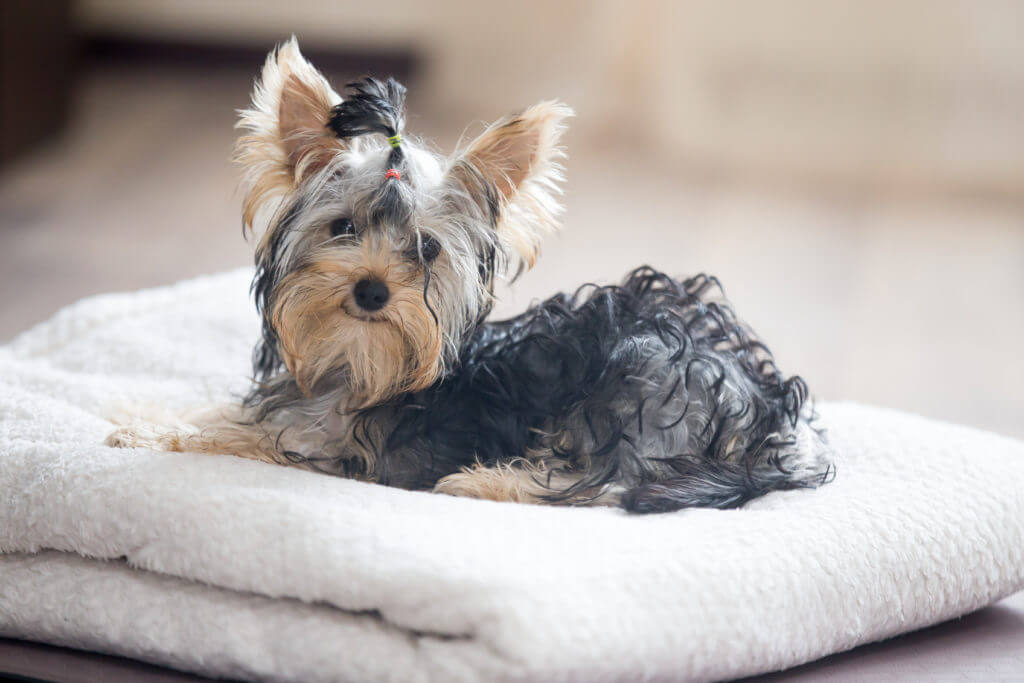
point(374, 106)
point(511, 171)
point(287, 139)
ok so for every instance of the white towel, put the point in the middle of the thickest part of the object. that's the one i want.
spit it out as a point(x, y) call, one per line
point(229, 567)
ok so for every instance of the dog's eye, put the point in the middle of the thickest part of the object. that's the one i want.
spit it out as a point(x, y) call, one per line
point(342, 227)
point(429, 248)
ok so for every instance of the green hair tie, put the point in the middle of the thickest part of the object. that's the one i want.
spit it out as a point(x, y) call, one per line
point(395, 140)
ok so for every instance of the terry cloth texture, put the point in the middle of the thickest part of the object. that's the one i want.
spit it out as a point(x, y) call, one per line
point(234, 568)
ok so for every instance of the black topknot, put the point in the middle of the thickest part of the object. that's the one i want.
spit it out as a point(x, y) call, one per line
point(373, 106)
point(370, 106)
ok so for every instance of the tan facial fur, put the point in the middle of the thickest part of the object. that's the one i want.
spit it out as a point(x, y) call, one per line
point(496, 196)
point(394, 350)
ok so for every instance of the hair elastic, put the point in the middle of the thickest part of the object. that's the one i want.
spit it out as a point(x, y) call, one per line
point(395, 140)
point(392, 173)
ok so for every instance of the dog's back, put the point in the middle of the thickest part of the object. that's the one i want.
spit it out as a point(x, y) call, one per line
point(649, 394)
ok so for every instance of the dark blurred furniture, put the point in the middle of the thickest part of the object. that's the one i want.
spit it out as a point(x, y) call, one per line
point(37, 66)
point(24, 661)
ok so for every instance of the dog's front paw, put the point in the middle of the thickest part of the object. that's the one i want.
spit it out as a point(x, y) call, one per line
point(488, 483)
point(145, 435)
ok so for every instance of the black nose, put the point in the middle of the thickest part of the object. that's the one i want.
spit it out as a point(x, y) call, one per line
point(371, 295)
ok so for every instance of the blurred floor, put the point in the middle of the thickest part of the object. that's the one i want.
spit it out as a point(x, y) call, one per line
point(909, 303)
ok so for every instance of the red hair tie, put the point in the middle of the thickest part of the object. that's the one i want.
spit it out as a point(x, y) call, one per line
point(392, 173)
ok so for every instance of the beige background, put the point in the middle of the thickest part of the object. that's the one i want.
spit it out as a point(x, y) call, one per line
point(905, 300)
point(906, 93)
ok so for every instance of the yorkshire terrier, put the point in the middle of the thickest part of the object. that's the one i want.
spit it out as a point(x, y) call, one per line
point(375, 268)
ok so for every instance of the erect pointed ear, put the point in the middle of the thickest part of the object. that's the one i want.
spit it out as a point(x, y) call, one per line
point(287, 136)
point(511, 171)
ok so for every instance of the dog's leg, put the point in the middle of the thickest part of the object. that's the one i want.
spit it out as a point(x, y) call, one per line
point(520, 481)
point(215, 431)
point(503, 482)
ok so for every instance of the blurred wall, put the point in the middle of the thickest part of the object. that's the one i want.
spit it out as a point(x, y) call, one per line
point(899, 93)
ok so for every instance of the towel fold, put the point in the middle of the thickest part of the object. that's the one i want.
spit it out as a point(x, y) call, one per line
point(235, 568)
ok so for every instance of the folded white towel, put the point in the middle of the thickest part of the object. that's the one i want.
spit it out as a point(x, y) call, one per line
point(236, 568)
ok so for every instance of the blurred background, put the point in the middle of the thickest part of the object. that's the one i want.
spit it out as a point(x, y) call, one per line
point(852, 171)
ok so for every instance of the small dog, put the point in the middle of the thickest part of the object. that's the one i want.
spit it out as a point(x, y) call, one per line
point(376, 261)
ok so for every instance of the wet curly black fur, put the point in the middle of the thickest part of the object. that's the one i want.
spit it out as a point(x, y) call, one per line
point(651, 389)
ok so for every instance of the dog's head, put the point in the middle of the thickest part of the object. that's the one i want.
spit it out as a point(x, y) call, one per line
point(375, 256)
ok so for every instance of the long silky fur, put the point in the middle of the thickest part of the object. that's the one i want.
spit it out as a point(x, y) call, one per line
point(650, 394)
point(651, 389)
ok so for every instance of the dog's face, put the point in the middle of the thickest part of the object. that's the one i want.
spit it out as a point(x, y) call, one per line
point(375, 256)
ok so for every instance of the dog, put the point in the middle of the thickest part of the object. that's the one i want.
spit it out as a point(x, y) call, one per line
point(376, 261)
